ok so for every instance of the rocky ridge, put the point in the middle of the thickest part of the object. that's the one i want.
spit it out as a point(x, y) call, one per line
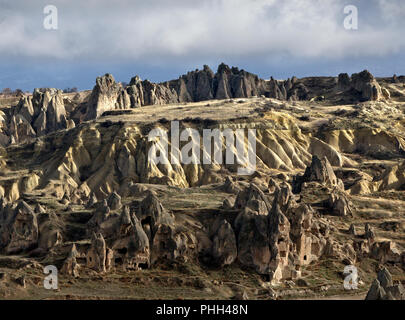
point(45, 111)
point(85, 198)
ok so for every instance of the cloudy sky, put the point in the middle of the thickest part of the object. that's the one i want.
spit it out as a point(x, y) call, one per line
point(162, 39)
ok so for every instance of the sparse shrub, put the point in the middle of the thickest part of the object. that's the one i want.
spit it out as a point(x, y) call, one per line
point(70, 90)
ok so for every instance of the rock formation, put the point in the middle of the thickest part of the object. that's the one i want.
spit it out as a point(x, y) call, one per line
point(385, 252)
point(224, 249)
point(45, 110)
point(198, 85)
point(340, 204)
point(131, 246)
point(86, 199)
point(99, 257)
point(230, 186)
point(152, 213)
point(365, 84)
point(280, 243)
point(38, 115)
point(343, 81)
point(281, 238)
point(172, 244)
point(352, 230)
point(103, 97)
point(368, 232)
point(319, 171)
point(252, 196)
point(383, 288)
point(360, 86)
point(70, 266)
point(19, 228)
point(253, 241)
point(50, 232)
point(95, 224)
point(114, 201)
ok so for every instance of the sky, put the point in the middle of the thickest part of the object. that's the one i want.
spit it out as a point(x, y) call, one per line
point(162, 39)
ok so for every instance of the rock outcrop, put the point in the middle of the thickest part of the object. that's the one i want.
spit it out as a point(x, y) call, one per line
point(173, 244)
point(369, 232)
point(383, 288)
point(319, 171)
point(38, 115)
point(195, 86)
point(253, 241)
point(19, 228)
point(224, 248)
point(131, 247)
point(343, 81)
point(103, 97)
point(70, 266)
point(280, 243)
point(360, 86)
point(114, 201)
point(252, 197)
point(50, 232)
point(366, 85)
point(230, 186)
point(385, 251)
point(99, 257)
point(339, 204)
point(97, 221)
point(278, 239)
point(151, 213)
point(45, 110)
point(101, 206)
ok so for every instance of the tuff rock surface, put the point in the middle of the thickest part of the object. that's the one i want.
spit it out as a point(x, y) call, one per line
point(77, 190)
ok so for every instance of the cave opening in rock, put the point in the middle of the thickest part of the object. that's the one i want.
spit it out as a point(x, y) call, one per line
point(143, 266)
point(265, 277)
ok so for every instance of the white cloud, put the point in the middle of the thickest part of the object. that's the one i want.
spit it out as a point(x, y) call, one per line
point(146, 30)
